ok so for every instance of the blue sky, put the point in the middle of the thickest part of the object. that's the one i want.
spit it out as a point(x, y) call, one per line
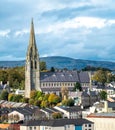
point(80, 29)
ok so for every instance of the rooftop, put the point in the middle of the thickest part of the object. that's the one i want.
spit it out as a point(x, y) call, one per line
point(102, 115)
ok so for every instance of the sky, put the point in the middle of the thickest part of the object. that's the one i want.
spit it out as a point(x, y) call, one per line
point(79, 29)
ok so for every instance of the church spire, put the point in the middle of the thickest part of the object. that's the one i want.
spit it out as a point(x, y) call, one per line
point(32, 48)
point(32, 70)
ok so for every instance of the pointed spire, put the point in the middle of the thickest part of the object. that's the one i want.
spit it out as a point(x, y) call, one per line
point(32, 48)
point(32, 35)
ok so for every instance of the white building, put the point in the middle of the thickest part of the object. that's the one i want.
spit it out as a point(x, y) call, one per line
point(103, 121)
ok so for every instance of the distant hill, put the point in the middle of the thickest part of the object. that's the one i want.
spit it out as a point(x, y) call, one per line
point(63, 62)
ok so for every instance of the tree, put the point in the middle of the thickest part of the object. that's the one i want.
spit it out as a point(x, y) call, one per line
point(25, 100)
point(52, 69)
point(56, 115)
point(77, 86)
point(44, 104)
point(103, 95)
point(3, 76)
point(4, 95)
point(33, 94)
point(31, 101)
point(10, 96)
point(43, 66)
point(37, 103)
point(53, 98)
point(68, 102)
point(100, 76)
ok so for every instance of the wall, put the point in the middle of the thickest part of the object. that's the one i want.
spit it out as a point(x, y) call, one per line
point(103, 123)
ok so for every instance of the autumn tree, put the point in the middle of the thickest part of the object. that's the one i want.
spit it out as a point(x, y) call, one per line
point(53, 98)
point(33, 94)
point(44, 104)
point(100, 76)
point(56, 115)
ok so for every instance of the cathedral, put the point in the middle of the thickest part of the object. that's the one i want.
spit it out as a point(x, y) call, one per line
point(48, 81)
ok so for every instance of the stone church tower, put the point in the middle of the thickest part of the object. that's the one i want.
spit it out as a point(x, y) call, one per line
point(32, 68)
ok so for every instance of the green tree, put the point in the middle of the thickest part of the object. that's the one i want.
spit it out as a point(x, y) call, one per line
point(52, 69)
point(4, 95)
point(68, 102)
point(103, 95)
point(3, 76)
point(11, 96)
point(43, 66)
point(31, 101)
point(77, 86)
point(37, 103)
point(25, 100)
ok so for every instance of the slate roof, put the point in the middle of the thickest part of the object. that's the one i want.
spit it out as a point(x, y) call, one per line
point(57, 122)
point(50, 110)
point(66, 76)
point(24, 111)
point(32, 123)
point(62, 122)
point(72, 109)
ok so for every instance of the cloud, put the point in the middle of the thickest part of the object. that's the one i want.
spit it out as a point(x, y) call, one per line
point(79, 29)
point(21, 32)
point(4, 33)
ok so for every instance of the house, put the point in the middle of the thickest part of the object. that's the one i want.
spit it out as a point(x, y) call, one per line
point(48, 112)
point(31, 125)
point(24, 114)
point(70, 112)
point(88, 98)
point(58, 124)
point(102, 121)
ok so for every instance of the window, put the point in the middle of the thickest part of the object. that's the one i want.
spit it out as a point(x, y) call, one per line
point(30, 128)
point(89, 125)
point(85, 125)
point(35, 65)
point(34, 128)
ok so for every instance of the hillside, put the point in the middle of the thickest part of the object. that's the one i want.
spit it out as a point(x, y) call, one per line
point(63, 62)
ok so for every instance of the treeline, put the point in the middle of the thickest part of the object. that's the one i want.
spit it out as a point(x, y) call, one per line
point(16, 76)
point(37, 98)
point(92, 68)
